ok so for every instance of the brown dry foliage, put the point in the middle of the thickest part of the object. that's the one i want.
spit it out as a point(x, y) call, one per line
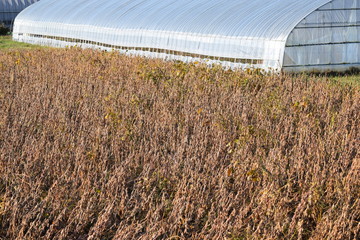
point(95, 145)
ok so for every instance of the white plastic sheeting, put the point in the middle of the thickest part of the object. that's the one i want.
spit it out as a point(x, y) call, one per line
point(235, 33)
point(10, 8)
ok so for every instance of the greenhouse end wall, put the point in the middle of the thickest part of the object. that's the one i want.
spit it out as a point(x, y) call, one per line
point(326, 40)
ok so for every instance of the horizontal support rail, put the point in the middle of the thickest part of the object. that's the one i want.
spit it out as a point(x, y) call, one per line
point(337, 9)
point(319, 44)
point(322, 65)
point(330, 25)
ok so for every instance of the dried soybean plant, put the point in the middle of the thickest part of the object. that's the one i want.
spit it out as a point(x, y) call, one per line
point(96, 145)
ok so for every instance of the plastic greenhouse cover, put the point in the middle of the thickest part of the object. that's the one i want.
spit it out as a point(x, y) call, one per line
point(10, 8)
point(14, 5)
point(253, 31)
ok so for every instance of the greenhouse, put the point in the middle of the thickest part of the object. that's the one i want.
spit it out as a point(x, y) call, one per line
point(287, 35)
point(9, 9)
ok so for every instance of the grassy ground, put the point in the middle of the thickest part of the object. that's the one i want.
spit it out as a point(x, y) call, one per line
point(352, 79)
point(6, 43)
point(103, 146)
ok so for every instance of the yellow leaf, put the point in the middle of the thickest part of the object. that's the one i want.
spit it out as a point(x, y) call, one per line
point(230, 171)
